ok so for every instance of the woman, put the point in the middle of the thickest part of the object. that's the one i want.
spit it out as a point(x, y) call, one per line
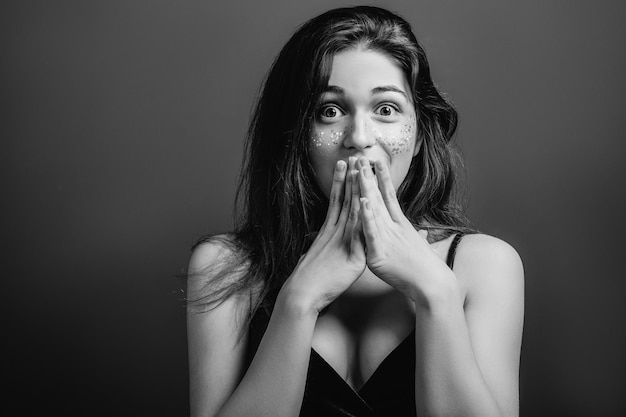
point(352, 285)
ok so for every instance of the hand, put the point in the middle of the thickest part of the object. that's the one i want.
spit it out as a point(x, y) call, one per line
point(396, 252)
point(336, 257)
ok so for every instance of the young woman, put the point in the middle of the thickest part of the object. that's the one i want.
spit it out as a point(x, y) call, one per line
point(352, 285)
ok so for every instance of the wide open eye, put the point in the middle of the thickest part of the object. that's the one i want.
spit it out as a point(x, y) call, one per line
point(329, 112)
point(386, 110)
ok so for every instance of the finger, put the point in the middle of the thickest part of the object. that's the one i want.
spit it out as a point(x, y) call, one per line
point(335, 200)
point(356, 189)
point(347, 195)
point(357, 243)
point(353, 213)
point(388, 191)
point(373, 243)
point(369, 189)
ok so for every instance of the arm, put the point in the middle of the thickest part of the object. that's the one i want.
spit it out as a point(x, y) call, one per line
point(273, 385)
point(214, 368)
point(466, 359)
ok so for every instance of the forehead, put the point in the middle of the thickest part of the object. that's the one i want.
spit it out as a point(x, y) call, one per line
point(358, 69)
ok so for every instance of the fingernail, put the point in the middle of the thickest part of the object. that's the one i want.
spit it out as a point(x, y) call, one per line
point(341, 166)
point(363, 162)
point(367, 172)
point(379, 165)
point(352, 160)
point(365, 203)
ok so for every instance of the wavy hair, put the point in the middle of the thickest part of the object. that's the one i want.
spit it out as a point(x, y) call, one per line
point(280, 207)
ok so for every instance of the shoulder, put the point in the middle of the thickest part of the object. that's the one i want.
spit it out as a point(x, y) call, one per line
point(492, 274)
point(215, 264)
point(216, 304)
point(216, 256)
point(482, 249)
point(489, 266)
point(211, 250)
point(217, 334)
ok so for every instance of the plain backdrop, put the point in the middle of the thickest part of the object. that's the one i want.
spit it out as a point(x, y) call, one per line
point(121, 139)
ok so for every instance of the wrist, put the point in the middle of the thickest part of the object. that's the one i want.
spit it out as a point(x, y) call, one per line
point(440, 294)
point(296, 301)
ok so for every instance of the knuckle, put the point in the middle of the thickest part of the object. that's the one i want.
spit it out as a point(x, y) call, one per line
point(371, 236)
point(389, 195)
point(353, 215)
point(334, 199)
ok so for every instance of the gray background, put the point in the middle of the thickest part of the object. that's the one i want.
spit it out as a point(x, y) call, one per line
point(122, 127)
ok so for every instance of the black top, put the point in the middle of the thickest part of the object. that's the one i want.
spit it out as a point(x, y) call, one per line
point(390, 391)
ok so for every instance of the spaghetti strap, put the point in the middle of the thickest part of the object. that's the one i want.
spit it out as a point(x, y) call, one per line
point(452, 250)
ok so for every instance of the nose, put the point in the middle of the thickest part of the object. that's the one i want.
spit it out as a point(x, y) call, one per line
point(360, 135)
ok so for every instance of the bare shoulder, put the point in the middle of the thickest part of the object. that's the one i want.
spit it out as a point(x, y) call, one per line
point(484, 249)
point(491, 273)
point(216, 331)
point(213, 266)
point(210, 252)
point(215, 261)
point(488, 265)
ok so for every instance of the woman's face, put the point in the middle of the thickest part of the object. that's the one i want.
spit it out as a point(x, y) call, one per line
point(366, 110)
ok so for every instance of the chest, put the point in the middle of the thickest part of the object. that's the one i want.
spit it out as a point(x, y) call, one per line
point(367, 323)
point(361, 329)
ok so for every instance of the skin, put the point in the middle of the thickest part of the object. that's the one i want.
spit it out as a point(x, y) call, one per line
point(371, 115)
point(468, 322)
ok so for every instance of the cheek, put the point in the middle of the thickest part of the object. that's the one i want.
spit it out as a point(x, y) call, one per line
point(326, 138)
point(398, 139)
point(323, 154)
point(323, 147)
point(399, 169)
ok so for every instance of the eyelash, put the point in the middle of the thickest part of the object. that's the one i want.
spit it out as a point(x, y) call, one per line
point(325, 107)
point(391, 105)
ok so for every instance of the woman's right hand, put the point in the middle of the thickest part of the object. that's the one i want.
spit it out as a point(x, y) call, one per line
point(336, 257)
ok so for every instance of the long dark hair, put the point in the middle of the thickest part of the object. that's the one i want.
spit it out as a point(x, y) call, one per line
point(280, 207)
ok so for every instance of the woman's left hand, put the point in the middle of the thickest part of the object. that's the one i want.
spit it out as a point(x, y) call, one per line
point(396, 252)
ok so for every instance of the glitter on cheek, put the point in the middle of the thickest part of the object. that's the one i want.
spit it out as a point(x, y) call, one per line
point(398, 141)
point(335, 136)
point(320, 138)
point(317, 138)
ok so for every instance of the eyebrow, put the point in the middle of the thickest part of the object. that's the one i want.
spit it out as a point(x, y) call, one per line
point(334, 89)
point(376, 90)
